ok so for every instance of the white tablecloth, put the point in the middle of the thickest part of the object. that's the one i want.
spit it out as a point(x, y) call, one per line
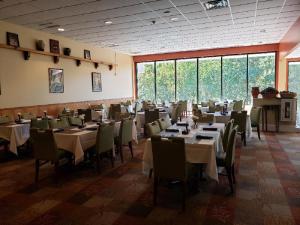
point(96, 114)
point(16, 134)
point(203, 151)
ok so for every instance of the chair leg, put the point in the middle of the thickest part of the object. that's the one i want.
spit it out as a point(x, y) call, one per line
point(130, 146)
point(150, 173)
point(37, 169)
point(229, 174)
point(183, 195)
point(258, 131)
point(233, 173)
point(112, 158)
point(155, 185)
point(121, 153)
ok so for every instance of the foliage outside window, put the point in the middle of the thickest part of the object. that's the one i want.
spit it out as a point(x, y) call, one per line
point(145, 81)
point(165, 81)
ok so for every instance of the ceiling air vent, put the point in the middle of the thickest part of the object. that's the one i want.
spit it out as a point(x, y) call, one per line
point(216, 4)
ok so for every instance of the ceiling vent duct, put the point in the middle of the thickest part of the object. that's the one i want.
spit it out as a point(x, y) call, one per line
point(215, 4)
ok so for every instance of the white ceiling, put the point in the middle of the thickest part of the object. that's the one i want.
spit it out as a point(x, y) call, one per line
point(295, 53)
point(245, 22)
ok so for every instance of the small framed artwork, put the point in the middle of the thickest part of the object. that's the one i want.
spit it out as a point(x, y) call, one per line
point(87, 54)
point(54, 46)
point(12, 39)
point(288, 108)
point(96, 82)
point(56, 80)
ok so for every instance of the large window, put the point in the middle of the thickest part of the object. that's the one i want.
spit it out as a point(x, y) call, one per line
point(209, 78)
point(261, 71)
point(186, 83)
point(294, 84)
point(165, 81)
point(225, 77)
point(145, 81)
point(235, 77)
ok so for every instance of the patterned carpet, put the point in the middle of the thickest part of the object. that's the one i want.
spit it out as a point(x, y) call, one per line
point(267, 191)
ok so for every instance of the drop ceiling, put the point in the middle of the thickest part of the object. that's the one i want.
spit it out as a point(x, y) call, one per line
point(148, 26)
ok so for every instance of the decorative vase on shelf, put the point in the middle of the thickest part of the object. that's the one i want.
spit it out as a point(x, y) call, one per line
point(67, 51)
point(40, 45)
point(255, 92)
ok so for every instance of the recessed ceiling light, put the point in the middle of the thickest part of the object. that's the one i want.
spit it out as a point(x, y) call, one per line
point(263, 30)
point(108, 22)
point(215, 4)
point(60, 29)
point(174, 19)
point(167, 11)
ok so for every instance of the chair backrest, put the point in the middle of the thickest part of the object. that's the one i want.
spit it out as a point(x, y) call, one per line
point(63, 122)
point(28, 116)
point(125, 134)
point(169, 157)
point(227, 131)
point(164, 123)
point(118, 116)
point(87, 114)
point(105, 137)
point(113, 110)
point(204, 104)
point(238, 105)
point(255, 115)
point(75, 121)
point(240, 119)
point(151, 115)
point(230, 153)
point(206, 118)
point(153, 128)
point(44, 146)
point(4, 119)
point(40, 124)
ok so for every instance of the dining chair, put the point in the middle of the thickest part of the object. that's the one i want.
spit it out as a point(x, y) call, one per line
point(164, 123)
point(75, 121)
point(153, 128)
point(125, 137)
point(4, 119)
point(87, 114)
point(113, 109)
point(211, 106)
point(45, 150)
point(204, 118)
point(238, 105)
point(169, 163)
point(39, 123)
point(150, 116)
point(225, 136)
point(240, 119)
point(176, 113)
point(63, 122)
point(105, 142)
point(255, 115)
point(227, 160)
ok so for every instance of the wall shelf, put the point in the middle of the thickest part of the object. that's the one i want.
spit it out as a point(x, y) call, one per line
point(78, 60)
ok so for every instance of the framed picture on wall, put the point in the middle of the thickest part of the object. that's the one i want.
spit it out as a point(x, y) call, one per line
point(54, 46)
point(12, 39)
point(96, 82)
point(87, 54)
point(288, 108)
point(56, 80)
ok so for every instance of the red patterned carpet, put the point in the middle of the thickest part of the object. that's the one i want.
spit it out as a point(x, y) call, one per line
point(267, 192)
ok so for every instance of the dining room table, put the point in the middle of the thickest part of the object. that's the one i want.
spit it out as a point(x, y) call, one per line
point(202, 144)
point(16, 133)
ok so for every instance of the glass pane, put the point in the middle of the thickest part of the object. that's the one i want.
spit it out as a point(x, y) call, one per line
point(294, 85)
point(235, 77)
point(209, 78)
point(145, 81)
point(186, 80)
point(261, 68)
point(165, 81)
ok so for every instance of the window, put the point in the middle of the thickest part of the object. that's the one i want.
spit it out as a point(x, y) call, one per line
point(261, 71)
point(294, 84)
point(145, 81)
point(209, 78)
point(165, 81)
point(186, 84)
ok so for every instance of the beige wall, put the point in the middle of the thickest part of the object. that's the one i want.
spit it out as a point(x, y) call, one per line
point(25, 83)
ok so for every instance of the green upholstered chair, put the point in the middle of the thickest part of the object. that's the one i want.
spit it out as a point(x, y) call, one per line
point(66, 113)
point(63, 122)
point(196, 111)
point(240, 120)
point(125, 136)
point(113, 109)
point(225, 136)
point(255, 115)
point(227, 160)
point(75, 121)
point(164, 123)
point(44, 149)
point(28, 116)
point(169, 163)
point(238, 105)
point(204, 118)
point(105, 142)
point(40, 124)
point(176, 113)
point(153, 128)
point(4, 119)
point(211, 106)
